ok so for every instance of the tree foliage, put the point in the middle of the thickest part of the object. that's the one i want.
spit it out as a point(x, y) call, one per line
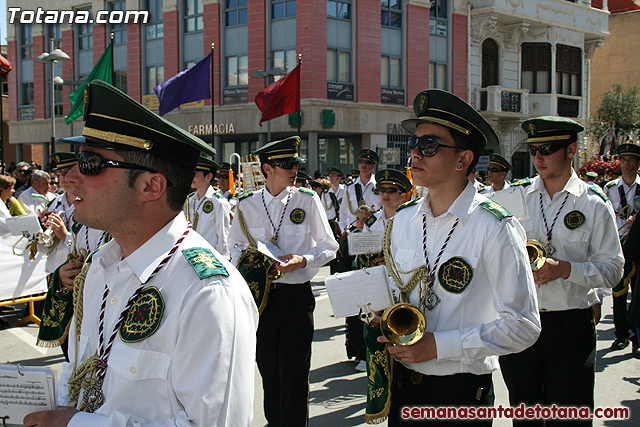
point(619, 109)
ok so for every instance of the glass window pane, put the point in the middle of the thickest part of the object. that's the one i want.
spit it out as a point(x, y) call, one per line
point(243, 70)
point(242, 17)
point(188, 7)
point(190, 25)
point(442, 76)
point(291, 8)
point(396, 20)
point(384, 3)
point(344, 11)
point(558, 82)
point(394, 72)
point(232, 18)
point(277, 10)
point(384, 18)
point(542, 82)
point(331, 9)
point(278, 59)
point(242, 3)
point(395, 4)
point(344, 67)
point(331, 65)
point(231, 4)
point(151, 32)
point(198, 6)
point(160, 30)
point(432, 75)
point(384, 71)
point(566, 83)
point(199, 23)
point(527, 80)
point(291, 60)
point(232, 71)
point(575, 84)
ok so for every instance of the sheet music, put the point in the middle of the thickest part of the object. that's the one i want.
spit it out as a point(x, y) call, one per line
point(25, 390)
point(351, 291)
point(270, 250)
point(365, 243)
point(24, 224)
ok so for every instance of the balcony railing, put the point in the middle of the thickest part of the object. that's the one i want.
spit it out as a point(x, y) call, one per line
point(497, 99)
point(568, 106)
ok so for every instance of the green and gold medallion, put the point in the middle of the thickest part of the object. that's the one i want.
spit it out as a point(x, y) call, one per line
point(207, 207)
point(297, 216)
point(455, 275)
point(144, 316)
point(574, 219)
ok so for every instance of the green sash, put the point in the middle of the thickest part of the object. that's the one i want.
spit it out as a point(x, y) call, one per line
point(56, 315)
point(379, 377)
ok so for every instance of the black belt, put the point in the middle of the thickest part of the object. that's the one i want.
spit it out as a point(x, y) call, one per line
point(288, 285)
point(405, 374)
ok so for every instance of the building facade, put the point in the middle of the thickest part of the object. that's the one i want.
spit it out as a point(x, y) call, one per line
point(363, 61)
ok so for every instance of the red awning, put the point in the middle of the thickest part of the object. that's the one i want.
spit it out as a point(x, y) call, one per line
point(5, 65)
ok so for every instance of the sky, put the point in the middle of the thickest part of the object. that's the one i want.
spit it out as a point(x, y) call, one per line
point(3, 20)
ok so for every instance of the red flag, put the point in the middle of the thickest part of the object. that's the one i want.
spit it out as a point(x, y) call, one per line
point(281, 97)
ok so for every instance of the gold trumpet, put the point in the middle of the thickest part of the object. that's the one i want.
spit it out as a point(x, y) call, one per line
point(403, 324)
point(537, 254)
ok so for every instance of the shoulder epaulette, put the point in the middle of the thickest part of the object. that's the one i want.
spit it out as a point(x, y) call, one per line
point(496, 209)
point(218, 194)
point(306, 191)
point(596, 189)
point(371, 220)
point(349, 182)
point(245, 195)
point(611, 183)
point(39, 196)
point(191, 194)
point(524, 182)
point(409, 203)
point(204, 263)
point(50, 203)
point(481, 188)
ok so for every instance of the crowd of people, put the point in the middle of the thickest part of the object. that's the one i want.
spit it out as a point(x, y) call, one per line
point(167, 282)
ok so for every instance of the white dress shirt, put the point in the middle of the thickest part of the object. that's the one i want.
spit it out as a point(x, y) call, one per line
point(312, 238)
point(197, 369)
point(34, 201)
point(350, 201)
point(490, 189)
point(213, 226)
point(497, 313)
point(4, 214)
point(57, 255)
point(613, 192)
point(327, 203)
point(593, 248)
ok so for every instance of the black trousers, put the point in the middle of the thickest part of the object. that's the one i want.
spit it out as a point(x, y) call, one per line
point(460, 390)
point(285, 333)
point(355, 338)
point(558, 369)
point(620, 317)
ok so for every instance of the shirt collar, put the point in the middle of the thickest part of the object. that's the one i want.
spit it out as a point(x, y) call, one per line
point(372, 180)
point(572, 185)
point(621, 182)
point(281, 197)
point(460, 208)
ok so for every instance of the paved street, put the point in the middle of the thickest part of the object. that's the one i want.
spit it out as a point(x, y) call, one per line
point(337, 396)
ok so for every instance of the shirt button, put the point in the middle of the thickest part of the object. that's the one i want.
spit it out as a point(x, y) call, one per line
point(132, 370)
point(114, 300)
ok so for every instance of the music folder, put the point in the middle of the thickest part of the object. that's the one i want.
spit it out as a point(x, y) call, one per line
point(353, 291)
point(24, 390)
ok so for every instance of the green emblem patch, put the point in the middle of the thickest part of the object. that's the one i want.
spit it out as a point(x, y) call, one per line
point(596, 189)
point(307, 191)
point(143, 317)
point(204, 263)
point(208, 206)
point(455, 275)
point(523, 182)
point(245, 195)
point(370, 221)
point(409, 203)
point(574, 219)
point(297, 216)
point(496, 209)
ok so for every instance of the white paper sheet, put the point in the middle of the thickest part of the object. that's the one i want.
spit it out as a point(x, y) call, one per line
point(365, 243)
point(25, 390)
point(349, 292)
point(18, 225)
point(270, 250)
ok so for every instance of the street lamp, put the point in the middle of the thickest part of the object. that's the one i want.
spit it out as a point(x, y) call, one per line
point(51, 58)
point(265, 75)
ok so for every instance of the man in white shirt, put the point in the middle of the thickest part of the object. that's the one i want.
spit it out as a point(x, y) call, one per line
point(498, 169)
point(591, 177)
point(360, 191)
point(442, 260)
point(622, 192)
point(332, 198)
point(576, 225)
point(36, 198)
point(293, 220)
point(207, 209)
point(165, 332)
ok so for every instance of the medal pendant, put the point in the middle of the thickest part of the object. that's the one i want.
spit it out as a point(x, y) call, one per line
point(195, 220)
point(93, 398)
point(432, 299)
point(550, 249)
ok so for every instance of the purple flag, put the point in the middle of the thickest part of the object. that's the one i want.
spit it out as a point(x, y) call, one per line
point(190, 85)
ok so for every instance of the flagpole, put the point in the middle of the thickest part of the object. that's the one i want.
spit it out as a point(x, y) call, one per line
point(213, 101)
point(299, 103)
point(113, 65)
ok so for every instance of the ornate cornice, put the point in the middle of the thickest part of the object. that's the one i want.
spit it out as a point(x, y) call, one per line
point(591, 46)
point(514, 33)
point(485, 27)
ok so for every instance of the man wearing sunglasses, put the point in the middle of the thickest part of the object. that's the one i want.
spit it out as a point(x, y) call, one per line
point(294, 221)
point(206, 208)
point(360, 191)
point(498, 169)
point(477, 306)
point(165, 334)
point(576, 224)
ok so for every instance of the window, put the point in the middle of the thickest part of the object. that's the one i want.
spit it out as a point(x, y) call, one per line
point(54, 32)
point(154, 28)
point(438, 9)
point(26, 42)
point(390, 71)
point(154, 76)
point(285, 59)
point(536, 67)
point(237, 71)
point(193, 16)
point(338, 65)
point(568, 70)
point(339, 9)
point(283, 9)
point(437, 75)
point(391, 15)
point(26, 93)
point(85, 36)
point(119, 30)
point(235, 12)
point(490, 60)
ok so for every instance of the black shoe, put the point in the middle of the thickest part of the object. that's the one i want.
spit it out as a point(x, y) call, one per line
point(635, 351)
point(620, 344)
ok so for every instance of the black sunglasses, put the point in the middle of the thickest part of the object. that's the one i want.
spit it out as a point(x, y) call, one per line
point(53, 182)
point(91, 164)
point(545, 149)
point(366, 162)
point(496, 170)
point(288, 165)
point(389, 190)
point(428, 145)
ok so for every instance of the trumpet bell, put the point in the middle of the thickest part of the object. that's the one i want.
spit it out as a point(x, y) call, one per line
point(403, 324)
point(537, 254)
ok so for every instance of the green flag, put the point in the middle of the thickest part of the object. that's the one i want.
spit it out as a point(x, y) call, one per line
point(103, 70)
